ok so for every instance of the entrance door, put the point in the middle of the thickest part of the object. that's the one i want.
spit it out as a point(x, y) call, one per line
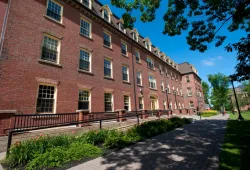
point(153, 104)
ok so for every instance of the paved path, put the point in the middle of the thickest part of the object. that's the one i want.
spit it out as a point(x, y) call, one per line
point(194, 147)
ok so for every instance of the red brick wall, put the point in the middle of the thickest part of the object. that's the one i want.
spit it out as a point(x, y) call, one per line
point(22, 49)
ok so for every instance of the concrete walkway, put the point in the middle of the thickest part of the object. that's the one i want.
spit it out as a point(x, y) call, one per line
point(195, 147)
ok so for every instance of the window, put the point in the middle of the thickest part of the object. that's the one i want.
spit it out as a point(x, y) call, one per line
point(126, 103)
point(107, 68)
point(106, 15)
point(50, 49)
point(107, 39)
point(183, 106)
point(139, 78)
point(83, 103)
point(135, 37)
point(147, 45)
point(164, 105)
point(54, 10)
point(140, 103)
point(191, 104)
point(85, 28)
point(187, 79)
point(84, 60)
point(124, 48)
point(87, 3)
point(181, 92)
point(166, 71)
point(160, 68)
point(162, 85)
point(168, 89)
point(137, 56)
point(170, 105)
point(45, 99)
point(125, 73)
point(177, 90)
point(152, 82)
point(179, 105)
point(121, 27)
point(173, 90)
point(108, 102)
point(150, 63)
point(189, 91)
point(175, 106)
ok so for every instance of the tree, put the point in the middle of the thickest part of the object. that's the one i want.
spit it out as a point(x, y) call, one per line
point(220, 90)
point(246, 85)
point(205, 88)
point(203, 19)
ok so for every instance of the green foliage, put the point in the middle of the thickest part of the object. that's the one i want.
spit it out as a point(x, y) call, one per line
point(209, 113)
point(54, 151)
point(203, 20)
point(220, 91)
point(205, 88)
point(58, 156)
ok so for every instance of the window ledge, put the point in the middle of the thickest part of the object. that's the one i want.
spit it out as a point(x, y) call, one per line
point(49, 63)
point(85, 72)
point(138, 62)
point(126, 82)
point(163, 91)
point(108, 78)
point(110, 48)
point(89, 38)
point(151, 68)
point(139, 85)
point(124, 55)
point(51, 19)
point(152, 89)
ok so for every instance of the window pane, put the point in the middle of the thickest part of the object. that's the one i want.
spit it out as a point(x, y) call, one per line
point(126, 102)
point(85, 28)
point(105, 15)
point(106, 40)
point(107, 68)
point(86, 3)
point(108, 102)
point(124, 49)
point(84, 60)
point(54, 10)
point(45, 100)
point(49, 49)
point(124, 73)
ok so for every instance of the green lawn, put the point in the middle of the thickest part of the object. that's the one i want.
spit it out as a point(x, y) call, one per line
point(235, 154)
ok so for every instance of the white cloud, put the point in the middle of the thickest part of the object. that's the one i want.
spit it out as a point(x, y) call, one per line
point(220, 57)
point(207, 63)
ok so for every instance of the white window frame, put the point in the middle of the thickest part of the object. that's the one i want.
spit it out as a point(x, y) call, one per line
point(90, 3)
point(152, 62)
point(181, 92)
point(169, 90)
point(61, 14)
point(107, 33)
point(160, 68)
point(90, 60)
point(135, 36)
point(109, 15)
point(171, 106)
point(142, 102)
point(112, 101)
point(90, 27)
point(177, 90)
point(55, 98)
point(129, 102)
point(164, 105)
point(162, 85)
point(126, 48)
point(111, 67)
point(127, 73)
point(190, 104)
point(189, 91)
point(58, 48)
point(154, 81)
point(139, 71)
point(138, 55)
point(89, 91)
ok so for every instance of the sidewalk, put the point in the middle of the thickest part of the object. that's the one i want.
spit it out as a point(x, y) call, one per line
point(195, 147)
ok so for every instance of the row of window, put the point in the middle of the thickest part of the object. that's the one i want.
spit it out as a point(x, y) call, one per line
point(54, 11)
point(47, 96)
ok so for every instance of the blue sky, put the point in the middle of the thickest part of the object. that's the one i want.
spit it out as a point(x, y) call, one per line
point(214, 60)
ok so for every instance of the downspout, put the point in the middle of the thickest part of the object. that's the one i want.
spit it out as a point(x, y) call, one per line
point(4, 26)
point(133, 66)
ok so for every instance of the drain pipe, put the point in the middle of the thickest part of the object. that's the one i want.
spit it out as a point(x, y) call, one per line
point(4, 26)
point(133, 66)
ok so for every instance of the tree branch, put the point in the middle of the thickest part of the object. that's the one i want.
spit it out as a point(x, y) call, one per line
point(222, 25)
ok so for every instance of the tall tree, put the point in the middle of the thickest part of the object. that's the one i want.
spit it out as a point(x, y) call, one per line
point(246, 85)
point(203, 19)
point(205, 88)
point(220, 90)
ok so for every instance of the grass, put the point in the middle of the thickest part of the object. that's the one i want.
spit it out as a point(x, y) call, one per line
point(47, 152)
point(235, 154)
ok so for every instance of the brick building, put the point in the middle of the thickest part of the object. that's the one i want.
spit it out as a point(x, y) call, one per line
point(191, 83)
point(59, 56)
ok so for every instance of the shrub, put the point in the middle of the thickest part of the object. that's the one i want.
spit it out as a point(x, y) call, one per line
point(58, 156)
point(209, 113)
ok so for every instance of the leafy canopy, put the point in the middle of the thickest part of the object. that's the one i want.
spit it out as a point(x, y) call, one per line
point(205, 88)
point(203, 19)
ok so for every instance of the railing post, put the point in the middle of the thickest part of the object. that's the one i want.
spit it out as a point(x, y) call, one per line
point(83, 116)
point(158, 114)
point(121, 113)
point(9, 142)
point(100, 124)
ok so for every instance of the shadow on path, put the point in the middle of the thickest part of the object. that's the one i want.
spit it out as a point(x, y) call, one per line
point(196, 147)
